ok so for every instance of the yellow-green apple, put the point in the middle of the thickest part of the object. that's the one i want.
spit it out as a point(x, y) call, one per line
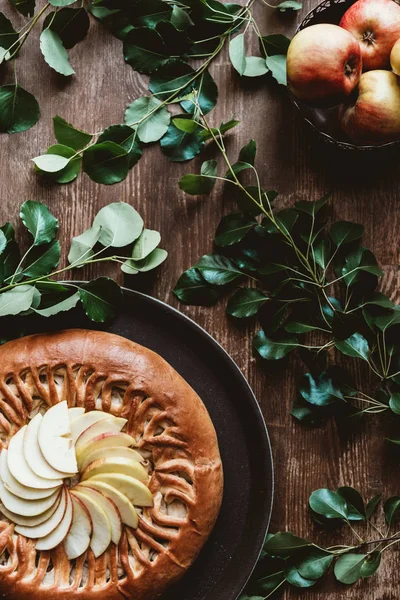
point(376, 25)
point(125, 507)
point(78, 538)
point(101, 532)
point(111, 425)
point(116, 464)
point(111, 452)
point(374, 117)
point(82, 422)
point(102, 441)
point(323, 64)
point(136, 491)
point(395, 58)
point(109, 508)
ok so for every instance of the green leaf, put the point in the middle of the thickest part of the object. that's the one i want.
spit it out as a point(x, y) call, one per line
point(149, 13)
point(51, 163)
point(106, 163)
point(348, 568)
point(372, 505)
point(312, 208)
point(186, 125)
point(180, 146)
point(8, 35)
point(255, 66)
point(39, 222)
point(150, 118)
point(3, 242)
point(100, 298)
point(71, 24)
point(394, 402)
point(192, 288)
point(371, 564)
point(355, 503)
point(274, 348)
point(176, 42)
point(356, 346)
point(200, 184)
point(181, 19)
point(313, 563)
point(247, 154)
point(320, 391)
point(145, 244)
point(322, 252)
point(294, 578)
point(16, 300)
point(284, 544)
point(289, 5)
point(168, 79)
point(329, 504)
point(25, 7)
point(19, 110)
point(144, 49)
point(277, 65)
point(223, 128)
point(150, 262)
point(391, 509)
point(68, 135)
point(81, 246)
point(54, 52)
point(245, 302)
point(361, 260)
point(344, 232)
point(274, 44)
point(120, 224)
point(71, 171)
point(61, 2)
point(267, 585)
point(63, 306)
point(42, 260)
point(206, 94)
point(233, 229)
point(217, 269)
point(237, 53)
point(298, 327)
point(126, 137)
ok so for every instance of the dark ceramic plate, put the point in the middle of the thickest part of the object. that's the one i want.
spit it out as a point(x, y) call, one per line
point(228, 559)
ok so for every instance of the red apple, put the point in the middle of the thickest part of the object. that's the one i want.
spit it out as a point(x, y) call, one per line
point(376, 24)
point(395, 58)
point(323, 64)
point(374, 118)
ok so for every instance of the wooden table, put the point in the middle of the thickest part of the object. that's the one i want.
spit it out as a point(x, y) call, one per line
point(304, 459)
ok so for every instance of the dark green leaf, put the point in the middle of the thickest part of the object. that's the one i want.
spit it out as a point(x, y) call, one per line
point(54, 52)
point(247, 154)
point(322, 252)
point(274, 348)
point(348, 568)
point(344, 232)
point(181, 19)
point(321, 391)
point(150, 12)
point(277, 65)
point(180, 146)
point(298, 327)
point(149, 116)
point(100, 298)
point(217, 269)
point(262, 197)
point(274, 44)
point(394, 402)
point(39, 221)
point(372, 505)
point(371, 564)
point(71, 24)
point(42, 260)
point(356, 346)
point(106, 163)
point(392, 510)
point(144, 49)
point(170, 78)
point(192, 288)
point(206, 94)
point(245, 302)
point(185, 124)
point(361, 260)
point(8, 35)
point(200, 184)
point(126, 137)
point(233, 229)
point(313, 563)
point(329, 504)
point(175, 40)
point(25, 7)
point(3, 242)
point(306, 414)
point(294, 578)
point(19, 110)
point(267, 585)
point(284, 544)
point(355, 503)
point(223, 128)
point(68, 135)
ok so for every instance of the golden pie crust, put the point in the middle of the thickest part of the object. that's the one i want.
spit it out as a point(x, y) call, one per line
point(106, 372)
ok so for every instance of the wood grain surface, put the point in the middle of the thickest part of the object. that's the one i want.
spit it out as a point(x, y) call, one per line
point(287, 161)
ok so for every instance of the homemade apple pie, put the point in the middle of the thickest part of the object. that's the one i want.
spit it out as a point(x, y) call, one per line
point(110, 473)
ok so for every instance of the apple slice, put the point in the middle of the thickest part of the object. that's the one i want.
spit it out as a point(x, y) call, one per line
point(105, 440)
point(43, 529)
point(13, 486)
point(55, 439)
point(81, 423)
point(26, 508)
point(101, 534)
point(78, 538)
point(111, 425)
point(113, 451)
point(126, 509)
point(30, 521)
point(20, 469)
point(109, 508)
point(33, 454)
point(58, 534)
point(134, 490)
point(122, 465)
point(75, 412)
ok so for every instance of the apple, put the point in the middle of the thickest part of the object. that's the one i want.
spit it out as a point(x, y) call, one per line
point(75, 412)
point(109, 508)
point(26, 508)
point(115, 464)
point(126, 509)
point(395, 58)
point(376, 25)
point(43, 529)
point(13, 486)
point(55, 439)
point(101, 534)
point(374, 117)
point(111, 452)
point(136, 491)
point(111, 425)
point(33, 520)
point(77, 540)
point(323, 64)
point(84, 421)
point(33, 455)
point(58, 534)
point(20, 469)
point(102, 441)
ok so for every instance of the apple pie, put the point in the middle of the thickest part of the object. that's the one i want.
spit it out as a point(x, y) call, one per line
point(110, 474)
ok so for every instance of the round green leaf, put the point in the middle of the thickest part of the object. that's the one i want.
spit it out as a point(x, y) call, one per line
point(61, 2)
point(355, 503)
point(8, 35)
point(100, 298)
point(329, 504)
point(394, 402)
point(106, 163)
point(120, 224)
point(180, 146)
point(313, 563)
point(192, 288)
point(170, 78)
point(144, 49)
point(237, 53)
point(19, 109)
point(150, 262)
point(42, 260)
point(355, 346)
point(199, 184)
point(50, 163)
point(149, 116)
point(277, 65)
point(217, 269)
point(294, 578)
point(255, 66)
point(348, 568)
point(16, 300)
point(344, 232)
point(72, 170)
point(71, 24)
point(126, 137)
point(81, 246)
point(39, 221)
point(245, 302)
point(145, 244)
point(54, 52)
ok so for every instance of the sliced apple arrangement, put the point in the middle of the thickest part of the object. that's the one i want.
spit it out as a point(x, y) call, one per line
point(47, 456)
point(349, 64)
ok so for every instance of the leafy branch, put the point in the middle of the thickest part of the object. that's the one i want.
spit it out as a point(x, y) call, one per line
point(27, 280)
point(312, 286)
point(291, 560)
